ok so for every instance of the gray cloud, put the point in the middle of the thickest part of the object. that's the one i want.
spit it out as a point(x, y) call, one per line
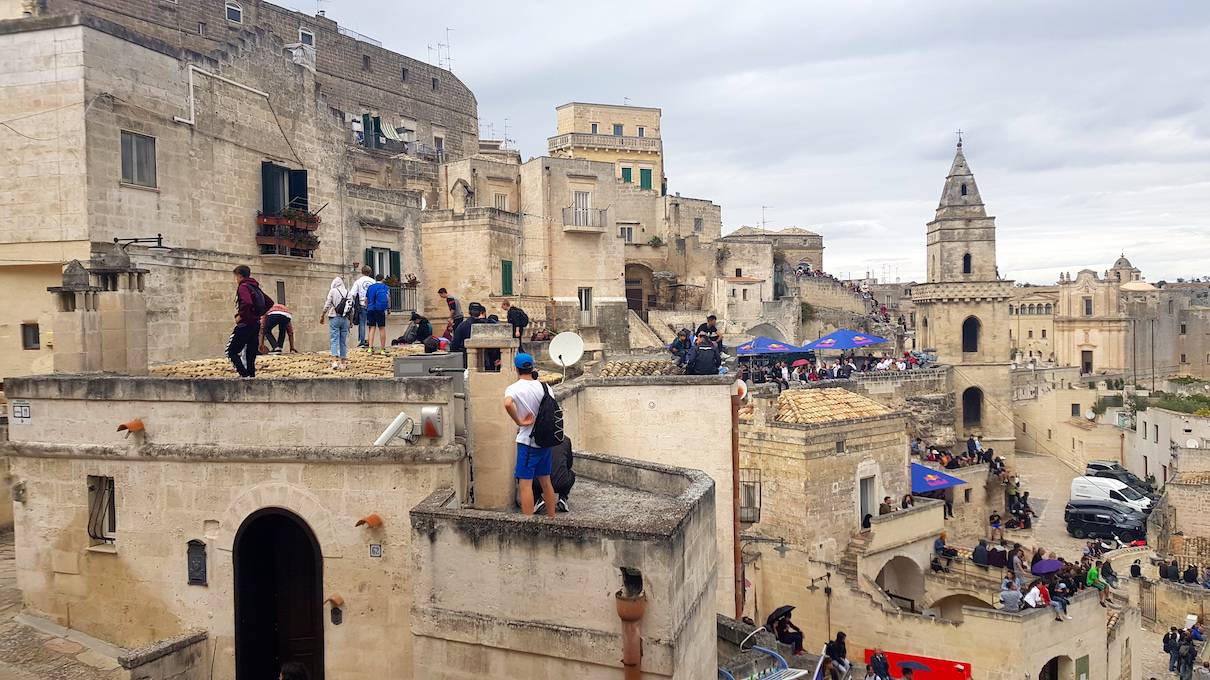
point(1088, 125)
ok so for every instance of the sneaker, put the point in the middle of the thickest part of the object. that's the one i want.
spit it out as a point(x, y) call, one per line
point(1067, 617)
point(335, 365)
point(561, 505)
point(539, 507)
point(343, 366)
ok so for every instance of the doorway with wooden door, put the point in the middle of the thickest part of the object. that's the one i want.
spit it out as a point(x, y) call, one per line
point(278, 600)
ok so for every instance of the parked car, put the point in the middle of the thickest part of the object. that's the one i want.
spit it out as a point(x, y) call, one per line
point(1103, 506)
point(1104, 489)
point(1094, 523)
point(1094, 465)
point(1126, 477)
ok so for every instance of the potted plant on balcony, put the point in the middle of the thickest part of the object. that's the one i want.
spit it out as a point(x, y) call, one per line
point(392, 281)
point(410, 281)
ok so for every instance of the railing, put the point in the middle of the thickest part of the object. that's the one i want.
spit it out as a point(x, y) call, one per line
point(584, 217)
point(357, 36)
point(403, 299)
point(607, 141)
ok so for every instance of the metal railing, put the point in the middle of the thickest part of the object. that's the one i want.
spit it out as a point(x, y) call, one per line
point(403, 299)
point(584, 217)
point(569, 139)
point(357, 36)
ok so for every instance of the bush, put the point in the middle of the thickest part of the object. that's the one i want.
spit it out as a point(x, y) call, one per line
point(806, 312)
point(655, 241)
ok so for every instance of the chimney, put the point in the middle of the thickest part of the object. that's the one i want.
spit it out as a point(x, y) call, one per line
point(493, 434)
point(101, 324)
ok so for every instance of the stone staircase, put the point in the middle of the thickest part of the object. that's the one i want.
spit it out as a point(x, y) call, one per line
point(852, 552)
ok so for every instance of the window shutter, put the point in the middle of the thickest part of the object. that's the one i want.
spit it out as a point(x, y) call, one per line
point(367, 131)
point(271, 198)
point(626, 175)
point(298, 189)
point(644, 178)
point(394, 255)
point(369, 259)
point(506, 277)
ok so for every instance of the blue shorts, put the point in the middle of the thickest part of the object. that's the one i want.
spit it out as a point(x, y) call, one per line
point(532, 462)
point(376, 317)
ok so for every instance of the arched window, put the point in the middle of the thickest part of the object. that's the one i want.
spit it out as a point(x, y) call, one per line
point(970, 334)
point(1011, 310)
point(963, 189)
point(1033, 309)
point(972, 406)
point(1049, 308)
point(234, 12)
point(966, 263)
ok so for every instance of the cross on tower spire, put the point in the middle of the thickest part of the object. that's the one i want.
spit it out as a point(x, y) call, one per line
point(959, 138)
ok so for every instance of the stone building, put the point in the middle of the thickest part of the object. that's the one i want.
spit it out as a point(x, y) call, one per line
point(201, 124)
point(962, 309)
point(1031, 326)
point(1166, 442)
point(626, 137)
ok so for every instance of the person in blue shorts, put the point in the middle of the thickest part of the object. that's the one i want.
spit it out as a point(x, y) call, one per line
point(521, 401)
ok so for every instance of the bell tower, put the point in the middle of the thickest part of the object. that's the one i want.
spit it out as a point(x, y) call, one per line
point(962, 310)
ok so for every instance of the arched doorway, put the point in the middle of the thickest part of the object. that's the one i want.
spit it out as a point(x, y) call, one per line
point(1058, 668)
point(972, 406)
point(640, 288)
point(950, 606)
point(278, 600)
point(902, 578)
point(769, 331)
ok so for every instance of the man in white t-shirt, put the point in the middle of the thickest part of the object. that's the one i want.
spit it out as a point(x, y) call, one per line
point(358, 294)
point(521, 401)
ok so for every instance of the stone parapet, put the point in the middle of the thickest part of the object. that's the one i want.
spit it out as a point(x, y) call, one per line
point(965, 291)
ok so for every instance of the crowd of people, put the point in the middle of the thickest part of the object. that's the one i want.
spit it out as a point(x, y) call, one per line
point(1190, 575)
point(1182, 648)
point(810, 369)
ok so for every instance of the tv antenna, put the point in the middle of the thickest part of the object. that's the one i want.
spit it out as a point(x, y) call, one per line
point(507, 140)
point(763, 221)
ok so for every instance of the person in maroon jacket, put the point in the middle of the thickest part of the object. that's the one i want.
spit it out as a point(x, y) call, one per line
point(251, 303)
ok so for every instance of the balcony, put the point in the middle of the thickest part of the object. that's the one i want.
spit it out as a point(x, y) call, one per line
point(581, 140)
point(590, 220)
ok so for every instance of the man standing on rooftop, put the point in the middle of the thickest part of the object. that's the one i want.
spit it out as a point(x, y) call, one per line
point(521, 401)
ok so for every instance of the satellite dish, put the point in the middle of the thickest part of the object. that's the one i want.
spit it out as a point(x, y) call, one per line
point(566, 349)
point(1090, 414)
point(1192, 444)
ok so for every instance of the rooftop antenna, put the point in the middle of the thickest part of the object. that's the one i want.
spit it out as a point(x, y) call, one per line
point(430, 59)
point(626, 101)
point(319, 12)
point(507, 139)
point(449, 49)
point(763, 221)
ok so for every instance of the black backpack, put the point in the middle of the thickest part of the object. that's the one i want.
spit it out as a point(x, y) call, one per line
point(517, 317)
point(342, 306)
point(548, 423)
point(260, 302)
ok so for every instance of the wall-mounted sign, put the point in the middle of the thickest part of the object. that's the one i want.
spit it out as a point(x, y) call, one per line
point(375, 550)
point(20, 412)
point(195, 556)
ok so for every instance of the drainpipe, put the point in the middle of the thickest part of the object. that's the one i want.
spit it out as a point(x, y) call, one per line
point(735, 541)
point(631, 604)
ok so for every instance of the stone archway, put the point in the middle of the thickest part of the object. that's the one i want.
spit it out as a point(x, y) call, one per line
point(950, 606)
point(640, 288)
point(1058, 668)
point(275, 494)
point(903, 579)
point(769, 330)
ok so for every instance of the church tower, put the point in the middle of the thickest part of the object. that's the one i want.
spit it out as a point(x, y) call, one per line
point(962, 310)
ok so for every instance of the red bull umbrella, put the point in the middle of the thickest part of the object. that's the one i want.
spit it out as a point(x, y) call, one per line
point(844, 339)
point(925, 478)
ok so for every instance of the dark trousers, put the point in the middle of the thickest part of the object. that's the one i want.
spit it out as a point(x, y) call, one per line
point(792, 638)
point(241, 349)
point(276, 323)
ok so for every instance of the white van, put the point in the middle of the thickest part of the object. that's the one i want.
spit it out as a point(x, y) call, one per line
point(1102, 488)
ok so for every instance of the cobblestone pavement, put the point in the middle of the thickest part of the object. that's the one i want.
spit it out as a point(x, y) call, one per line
point(28, 654)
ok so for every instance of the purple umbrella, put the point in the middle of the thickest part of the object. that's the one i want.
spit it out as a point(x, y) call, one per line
point(1044, 567)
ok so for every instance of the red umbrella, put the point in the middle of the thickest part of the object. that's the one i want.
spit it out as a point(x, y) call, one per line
point(800, 362)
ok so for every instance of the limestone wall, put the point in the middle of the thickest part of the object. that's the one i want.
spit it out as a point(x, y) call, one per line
point(635, 418)
point(1190, 501)
point(824, 292)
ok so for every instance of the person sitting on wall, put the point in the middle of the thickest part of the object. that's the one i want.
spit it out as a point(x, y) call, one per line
point(562, 476)
point(681, 346)
point(942, 550)
point(979, 554)
point(885, 507)
point(1191, 574)
point(788, 634)
point(1136, 569)
point(705, 358)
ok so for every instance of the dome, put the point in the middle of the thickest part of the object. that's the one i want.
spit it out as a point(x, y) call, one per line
point(1136, 285)
point(1122, 263)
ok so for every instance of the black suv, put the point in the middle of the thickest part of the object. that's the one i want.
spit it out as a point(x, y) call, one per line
point(1106, 506)
point(1096, 523)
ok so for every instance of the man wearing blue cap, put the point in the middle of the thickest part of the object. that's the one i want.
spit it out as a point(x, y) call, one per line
point(521, 401)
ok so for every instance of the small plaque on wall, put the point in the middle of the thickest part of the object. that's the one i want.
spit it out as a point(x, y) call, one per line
point(196, 562)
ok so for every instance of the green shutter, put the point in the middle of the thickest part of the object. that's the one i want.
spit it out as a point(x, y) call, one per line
point(394, 255)
point(369, 260)
point(506, 277)
point(644, 178)
point(626, 175)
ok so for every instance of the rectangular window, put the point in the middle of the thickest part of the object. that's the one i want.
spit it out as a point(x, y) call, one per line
point(403, 74)
point(201, 28)
point(306, 37)
point(584, 295)
point(626, 233)
point(500, 201)
point(1183, 360)
point(1155, 431)
point(1048, 435)
point(749, 495)
point(1022, 427)
point(966, 495)
point(699, 225)
point(617, 129)
point(1030, 333)
point(642, 132)
point(732, 292)
point(644, 178)
point(739, 272)
point(506, 277)
point(31, 337)
point(235, 13)
point(594, 128)
point(1182, 329)
point(102, 510)
point(582, 208)
point(745, 293)
point(1043, 333)
point(281, 293)
point(1087, 306)
point(1144, 430)
point(1075, 410)
point(282, 188)
point(435, 84)
point(840, 446)
point(627, 175)
point(365, 62)
point(439, 145)
point(138, 159)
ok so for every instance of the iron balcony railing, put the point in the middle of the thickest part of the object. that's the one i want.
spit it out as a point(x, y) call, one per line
point(584, 217)
point(573, 139)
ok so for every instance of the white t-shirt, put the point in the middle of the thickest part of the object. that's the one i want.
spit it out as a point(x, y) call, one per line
point(360, 286)
point(527, 396)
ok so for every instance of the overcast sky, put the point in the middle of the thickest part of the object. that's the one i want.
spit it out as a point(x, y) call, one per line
point(1086, 123)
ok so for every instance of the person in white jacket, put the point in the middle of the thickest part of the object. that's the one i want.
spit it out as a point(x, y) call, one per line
point(338, 306)
point(358, 292)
